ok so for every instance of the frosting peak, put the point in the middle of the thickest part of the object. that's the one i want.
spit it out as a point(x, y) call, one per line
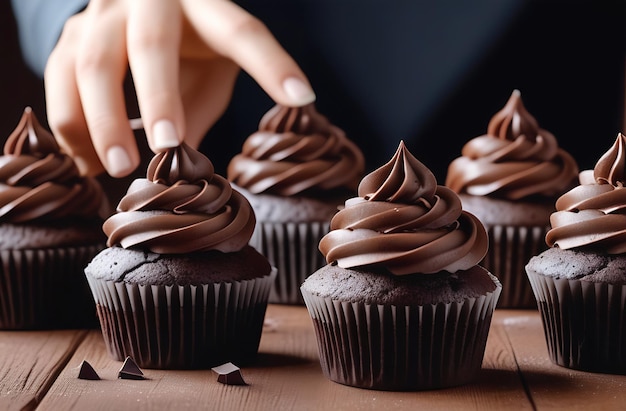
point(593, 214)
point(516, 159)
point(296, 150)
point(513, 121)
point(181, 207)
point(404, 222)
point(39, 182)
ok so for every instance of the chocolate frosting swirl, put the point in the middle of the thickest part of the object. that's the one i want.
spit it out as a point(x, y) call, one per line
point(405, 222)
point(516, 159)
point(181, 207)
point(593, 214)
point(38, 182)
point(296, 150)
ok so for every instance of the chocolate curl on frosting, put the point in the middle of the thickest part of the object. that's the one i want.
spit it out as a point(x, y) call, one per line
point(611, 168)
point(39, 182)
point(296, 150)
point(30, 138)
point(592, 215)
point(181, 207)
point(180, 164)
point(402, 180)
point(513, 120)
point(404, 222)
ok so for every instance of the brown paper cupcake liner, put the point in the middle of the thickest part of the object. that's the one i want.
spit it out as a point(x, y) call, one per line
point(401, 348)
point(182, 327)
point(510, 249)
point(293, 249)
point(584, 323)
point(46, 288)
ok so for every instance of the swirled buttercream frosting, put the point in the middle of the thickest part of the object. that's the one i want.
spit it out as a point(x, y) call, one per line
point(592, 215)
point(516, 159)
point(296, 150)
point(181, 206)
point(38, 182)
point(403, 221)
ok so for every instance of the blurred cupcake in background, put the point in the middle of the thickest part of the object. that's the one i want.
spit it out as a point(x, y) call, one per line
point(510, 178)
point(50, 227)
point(296, 170)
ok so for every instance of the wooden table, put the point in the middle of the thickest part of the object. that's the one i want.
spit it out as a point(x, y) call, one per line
point(38, 371)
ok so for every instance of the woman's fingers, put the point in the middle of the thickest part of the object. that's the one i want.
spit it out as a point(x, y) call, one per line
point(63, 105)
point(101, 66)
point(232, 32)
point(154, 35)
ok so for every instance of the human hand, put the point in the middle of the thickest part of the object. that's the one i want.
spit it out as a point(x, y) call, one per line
point(184, 56)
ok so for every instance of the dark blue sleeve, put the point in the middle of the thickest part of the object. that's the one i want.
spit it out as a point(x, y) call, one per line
point(40, 23)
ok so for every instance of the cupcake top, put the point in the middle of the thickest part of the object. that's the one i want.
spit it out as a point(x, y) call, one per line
point(516, 159)
point(592, 215)
point(40, 183)
point(404, 222)
point(296, 151)
point(181, 207)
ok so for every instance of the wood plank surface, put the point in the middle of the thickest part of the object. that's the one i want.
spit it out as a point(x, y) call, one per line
point(38, 370)
point(287, 376)
point(29, 363)
point(557, 388)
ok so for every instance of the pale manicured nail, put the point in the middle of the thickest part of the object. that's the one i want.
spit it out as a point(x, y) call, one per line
point(164, 135)
point(299, 93)
point(118, 161)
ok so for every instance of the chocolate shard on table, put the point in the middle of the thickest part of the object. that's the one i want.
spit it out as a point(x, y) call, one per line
point(130, 370)
point(87, 372)
point(229, 374)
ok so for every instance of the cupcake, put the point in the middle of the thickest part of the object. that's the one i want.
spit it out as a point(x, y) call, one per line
point(178, 286)
point(50, 219)
point(402, 303)
point(580, 280)
point(510, 178)
point(296, 170)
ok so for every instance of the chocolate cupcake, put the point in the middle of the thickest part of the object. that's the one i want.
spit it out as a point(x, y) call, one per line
point(510, 178)
point(402, 303)
point(50, 219)
point(296, 170)
point(580, 281)
point(179, 286)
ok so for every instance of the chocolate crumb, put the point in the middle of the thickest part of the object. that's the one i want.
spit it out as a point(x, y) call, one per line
point(130, 370)
point(229, 374)
point(87, 372)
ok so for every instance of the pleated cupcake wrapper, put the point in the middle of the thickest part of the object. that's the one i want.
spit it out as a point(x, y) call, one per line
point(401, 348)
point(584, 323)
point(182, 327)
point(510, 249)
point(293, 249)
point(46, 288)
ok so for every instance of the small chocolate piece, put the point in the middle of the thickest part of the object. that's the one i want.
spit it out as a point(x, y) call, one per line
point(87, 372)
point(229, 374)
point(130, 370)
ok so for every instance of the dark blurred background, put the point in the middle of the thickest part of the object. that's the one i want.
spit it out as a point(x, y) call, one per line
point(566, 57)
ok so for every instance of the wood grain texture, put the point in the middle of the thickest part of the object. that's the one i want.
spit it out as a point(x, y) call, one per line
point(30, 362)
point(557, 388)
point(286, 376)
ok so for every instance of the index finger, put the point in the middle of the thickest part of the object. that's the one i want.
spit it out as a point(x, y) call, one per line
point(234, 33)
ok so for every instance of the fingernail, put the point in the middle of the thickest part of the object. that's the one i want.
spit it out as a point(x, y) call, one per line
point(118, 162)
point(164, 135)
point(298, 91)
